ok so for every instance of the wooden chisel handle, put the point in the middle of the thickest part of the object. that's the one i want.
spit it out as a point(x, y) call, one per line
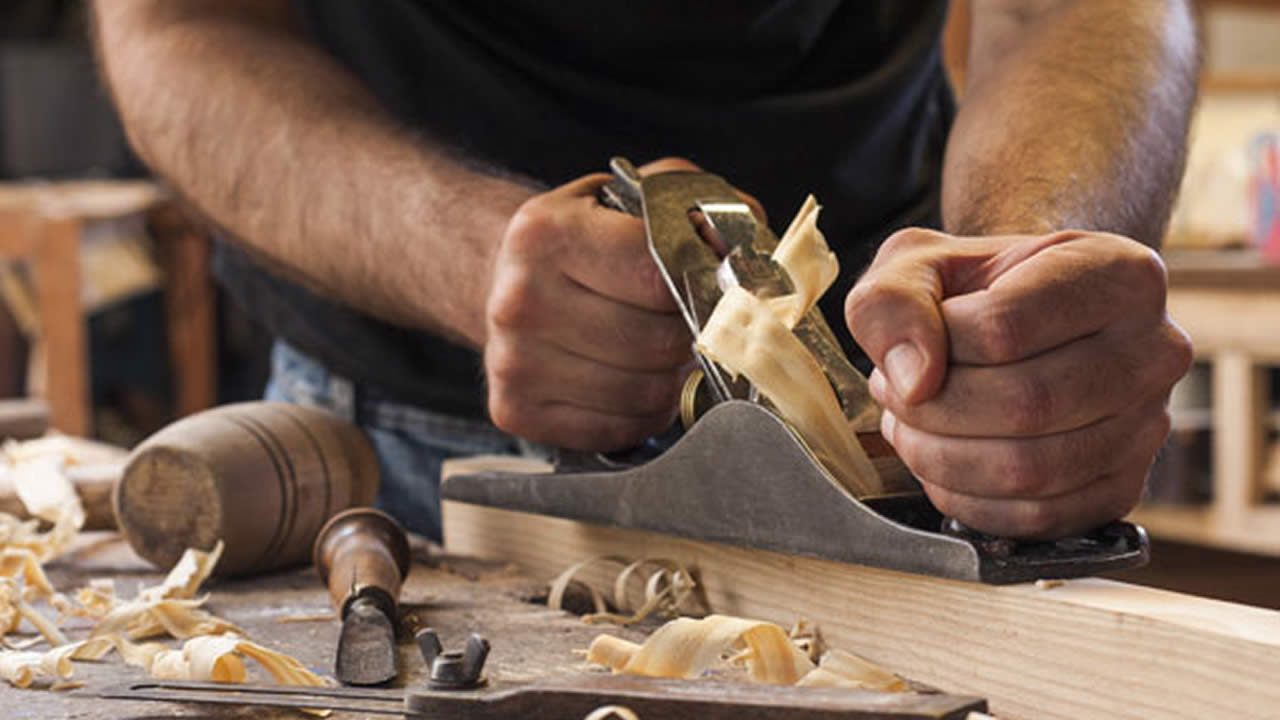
point(362, 552)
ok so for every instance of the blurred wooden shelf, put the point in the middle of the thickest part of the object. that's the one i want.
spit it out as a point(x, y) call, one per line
point(1255, 530)
point(1229, 302)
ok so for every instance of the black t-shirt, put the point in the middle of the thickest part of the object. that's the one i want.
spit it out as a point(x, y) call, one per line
point(846, 100)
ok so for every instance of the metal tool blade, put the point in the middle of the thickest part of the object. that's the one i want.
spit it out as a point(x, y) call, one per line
point(367, 646)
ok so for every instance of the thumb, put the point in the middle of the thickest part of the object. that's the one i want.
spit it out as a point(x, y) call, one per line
point(894, 314)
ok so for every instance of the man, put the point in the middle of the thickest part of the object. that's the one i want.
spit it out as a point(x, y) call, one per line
point(420, 179)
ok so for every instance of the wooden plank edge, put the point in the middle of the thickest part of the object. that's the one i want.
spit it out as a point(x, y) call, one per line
point(1088, 648)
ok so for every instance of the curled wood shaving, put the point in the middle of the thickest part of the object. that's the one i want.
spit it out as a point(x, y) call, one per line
point(14, 609)
point(808, 637)
point(611, 711)
point(186, 576)
point(22, 668)
point(180, 618)
point(23, 563)
point(561, 583)
point(687, 648)
point(665, 589)
point(46, 492)
point(804, 253)
point(170, 607)
point(844, 669)
point(96, 599)
point(746, 338)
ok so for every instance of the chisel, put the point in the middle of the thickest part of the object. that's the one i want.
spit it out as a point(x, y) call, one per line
point(362, 554)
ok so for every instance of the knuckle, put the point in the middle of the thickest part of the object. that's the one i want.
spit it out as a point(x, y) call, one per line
point(504, 369)
point(505, 412)
point(1179, 352)
point(908, 239)
point(1029, 405)
point(863, 302)
point(998, 335)
point(512, 301)
point(1146, 270)
point(532, 229)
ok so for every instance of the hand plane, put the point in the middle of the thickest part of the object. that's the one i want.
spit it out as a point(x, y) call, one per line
point(737, 472)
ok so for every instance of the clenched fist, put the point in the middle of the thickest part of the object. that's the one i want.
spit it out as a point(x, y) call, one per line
point(586, 348)
point(1025, 379)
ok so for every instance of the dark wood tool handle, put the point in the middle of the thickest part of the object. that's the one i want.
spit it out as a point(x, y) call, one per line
point(362, 552)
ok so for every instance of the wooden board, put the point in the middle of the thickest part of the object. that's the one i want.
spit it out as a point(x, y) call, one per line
point(1088, 648)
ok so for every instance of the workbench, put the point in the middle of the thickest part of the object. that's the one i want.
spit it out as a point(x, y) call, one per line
point(456, 596)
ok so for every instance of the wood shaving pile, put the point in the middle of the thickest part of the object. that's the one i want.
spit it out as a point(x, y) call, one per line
point(214, 649)
point(689, 648)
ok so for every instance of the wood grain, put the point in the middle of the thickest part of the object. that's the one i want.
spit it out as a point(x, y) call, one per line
point(1088, 648)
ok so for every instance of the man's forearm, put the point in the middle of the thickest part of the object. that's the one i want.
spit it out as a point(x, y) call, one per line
point(277, 143)
point(1075, 115)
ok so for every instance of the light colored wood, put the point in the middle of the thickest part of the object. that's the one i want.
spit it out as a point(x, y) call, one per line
point(1239, 391)
point(1087, 649)
point(1256, 531)
point(1231, 310)
point(189, 311)
point(82, 200)
point(261, 476)
point(62, 325)
point(1222, 319)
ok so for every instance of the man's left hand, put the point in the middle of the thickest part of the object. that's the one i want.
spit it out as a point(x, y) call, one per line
point(1025, 379)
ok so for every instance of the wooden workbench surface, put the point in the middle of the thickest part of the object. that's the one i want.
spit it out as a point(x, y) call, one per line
point(454, 595)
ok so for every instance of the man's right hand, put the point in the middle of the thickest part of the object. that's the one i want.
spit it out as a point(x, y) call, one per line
point(586, 348)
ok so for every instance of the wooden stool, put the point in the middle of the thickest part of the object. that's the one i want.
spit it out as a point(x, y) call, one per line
point(42, 224)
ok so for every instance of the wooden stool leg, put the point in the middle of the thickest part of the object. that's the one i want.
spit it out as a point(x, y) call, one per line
point(189, 311)
point(57, 270)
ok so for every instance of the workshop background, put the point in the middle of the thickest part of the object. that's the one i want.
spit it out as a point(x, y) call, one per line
point(109, 315)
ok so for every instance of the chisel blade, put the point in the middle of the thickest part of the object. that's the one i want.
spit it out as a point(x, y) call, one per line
point(367, 646)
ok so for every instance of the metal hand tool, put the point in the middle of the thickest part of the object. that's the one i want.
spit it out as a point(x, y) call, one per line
point(363, 556)
point(740, 474)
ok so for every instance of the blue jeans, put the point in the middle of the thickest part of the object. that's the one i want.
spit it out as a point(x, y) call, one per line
point(410, 442)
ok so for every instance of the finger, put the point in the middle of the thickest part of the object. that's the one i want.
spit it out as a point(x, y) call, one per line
point(536, 372)
point(893, 314)
point(1028, 468)
point(622, 335)
point(668, 164)
point(575, 428)
point(568, 231)
point(1106, 498)
point(1069, 387)
point(581, 321)
point(1073, 285)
